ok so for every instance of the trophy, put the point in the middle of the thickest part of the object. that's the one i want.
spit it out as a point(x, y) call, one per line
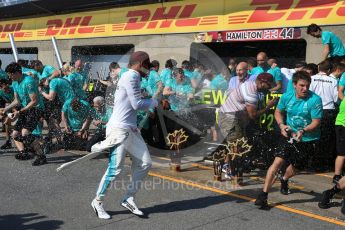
point(175, 140)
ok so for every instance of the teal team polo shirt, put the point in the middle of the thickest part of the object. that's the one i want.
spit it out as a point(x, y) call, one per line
point(335, 44)
point(300, 112)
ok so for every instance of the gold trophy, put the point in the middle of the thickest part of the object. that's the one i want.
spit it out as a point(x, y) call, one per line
point(175, 140)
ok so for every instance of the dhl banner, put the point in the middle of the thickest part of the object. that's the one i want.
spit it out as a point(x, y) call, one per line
point(178, 17)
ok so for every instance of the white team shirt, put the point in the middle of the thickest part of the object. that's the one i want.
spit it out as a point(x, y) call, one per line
point(287, 76)
point(327, 88)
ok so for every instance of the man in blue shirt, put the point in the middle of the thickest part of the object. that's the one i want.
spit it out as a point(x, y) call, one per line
point(333, 46)
point(30, 104)
point(242, 76)
point(303, 112)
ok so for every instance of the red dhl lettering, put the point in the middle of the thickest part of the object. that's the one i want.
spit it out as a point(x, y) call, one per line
point(11, 28)
point(78, 25)
point(179, 15)
point(264, 12)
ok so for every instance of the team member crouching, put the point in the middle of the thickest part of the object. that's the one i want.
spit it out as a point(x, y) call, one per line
point(101, 117)
point(122, 135)
point(303, 110)
point(76, 116)
point(31, 105)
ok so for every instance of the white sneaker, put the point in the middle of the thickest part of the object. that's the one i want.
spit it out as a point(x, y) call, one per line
point(131, 206)
point(99, 210)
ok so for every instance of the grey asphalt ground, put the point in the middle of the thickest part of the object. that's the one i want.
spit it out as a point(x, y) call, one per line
point(41, 198)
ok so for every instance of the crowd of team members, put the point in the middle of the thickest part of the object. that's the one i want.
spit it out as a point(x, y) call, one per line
point(32, 94)
point(36, 93)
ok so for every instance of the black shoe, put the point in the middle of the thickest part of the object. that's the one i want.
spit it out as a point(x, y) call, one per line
point(23, 156)
point(7, 145)
point(19, 155)
point(47, 148)
point(336, 179)
point(284, 188)
point(261, 201)
point(40, 160)
point(326, 199)
point(343, 207)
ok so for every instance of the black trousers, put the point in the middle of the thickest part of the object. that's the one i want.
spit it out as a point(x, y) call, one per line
point(97, 137)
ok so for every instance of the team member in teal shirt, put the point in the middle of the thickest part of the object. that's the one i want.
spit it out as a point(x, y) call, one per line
point(271, 68)
point(6, 91)
point(341, 87)
point(303, 112)
point(7, 95)
point(166, 73)
point(26, 96)
point(333, 46)
point(58, 87)
point(219, 83)
point(197, 76)
point(45, 71)
point(77, 82)
point(76, 116)
point(154, 82)
point(3, 74)
point(179, 91)
point(187, 70)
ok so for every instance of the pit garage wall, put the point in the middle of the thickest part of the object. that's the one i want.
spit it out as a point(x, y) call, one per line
point(160, 47)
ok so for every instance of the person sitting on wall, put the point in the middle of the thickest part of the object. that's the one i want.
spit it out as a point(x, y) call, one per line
point(333, 46)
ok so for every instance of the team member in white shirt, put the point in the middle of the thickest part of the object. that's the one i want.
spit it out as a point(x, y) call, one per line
point(327, 88)
point(122, 135)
